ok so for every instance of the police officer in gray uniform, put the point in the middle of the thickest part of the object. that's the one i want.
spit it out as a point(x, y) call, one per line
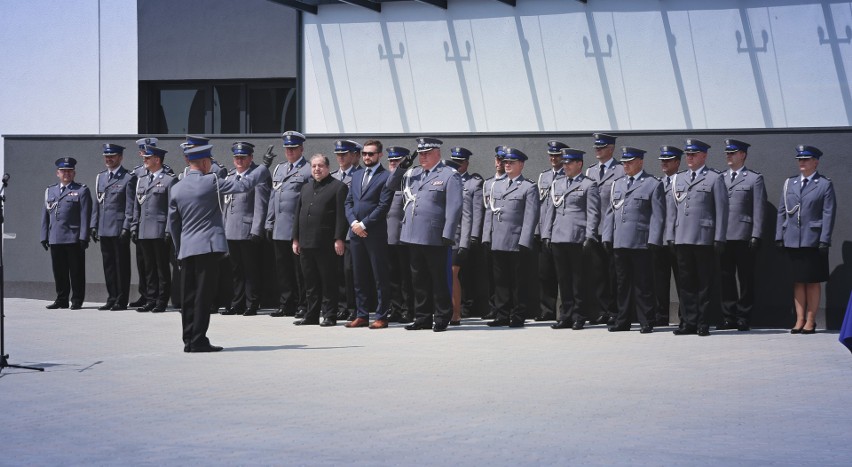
point(696, 223)
point(399, 269)
point(287, 180)
point(65, 233)
point(746, 200)
point(604, 173)
point(469, 233)
point(196, 227)
point(665, 261)
point(635, 219)
point(432, 212)
point(806, 214)
point(547, 268)
point(245, 216)
point(348, 155)
point(111, 217)
point(149, 228)
point(487, 191)
point(138, 172)
point(510, 231)
point(195, 141)
point(571, 228)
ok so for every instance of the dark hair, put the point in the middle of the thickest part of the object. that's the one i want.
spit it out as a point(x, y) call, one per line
point(324, 158)
point(374, 142)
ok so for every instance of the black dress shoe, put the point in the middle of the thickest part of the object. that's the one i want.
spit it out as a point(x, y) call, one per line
point(228, 311)
point(602, 319)
point(277, 313)
point(804, 330)
point(516, 323)
point(726, 325)
point(544, 318)
point(561, 324)
point(498, 323)
point(206, 348)
point(406, 318)
point(796, 331)
point(610, 321)
point(394, 316)
point(146, 308)
point(684, 331)
point(299, 314)
point(417, 326)
point(343, 315)
point(159, 309)
point(186, 348)
point(250, 312)
point(618, 328)
point(455, 323)
point(76, 306)
point(703, 331)
point(743, 326)
point(118, 307)
point(306, 322)
point(56, 305)
point(108, 306)
point(439, 328)
point(489, 315)
point(328, 322)
point(646, 330)
point(138, 302)
point(578, 325)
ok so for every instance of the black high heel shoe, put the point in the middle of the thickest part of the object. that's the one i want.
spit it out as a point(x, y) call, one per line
point(809, 331)
point(796, 331)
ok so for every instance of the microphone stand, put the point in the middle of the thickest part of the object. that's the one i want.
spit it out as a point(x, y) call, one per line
point(4, 359)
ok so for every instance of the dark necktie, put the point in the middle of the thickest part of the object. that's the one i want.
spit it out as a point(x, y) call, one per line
point(570, 181)
point(733, 176)
point(239, 177)
point(603, 169)
point(111, 176)
point(668, 182)
point(804, 184)
point(366, 180)
point(692, 177)
point(290, 169)
point(629, 182)
point(150, 179)
point(62, 190)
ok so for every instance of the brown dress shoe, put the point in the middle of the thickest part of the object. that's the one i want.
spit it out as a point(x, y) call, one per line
point(358, 323)
point(378, 324)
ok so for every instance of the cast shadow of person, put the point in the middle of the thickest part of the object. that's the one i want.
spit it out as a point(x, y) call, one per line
point(838, 288)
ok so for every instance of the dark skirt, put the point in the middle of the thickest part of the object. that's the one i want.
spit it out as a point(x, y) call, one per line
point(809, 265)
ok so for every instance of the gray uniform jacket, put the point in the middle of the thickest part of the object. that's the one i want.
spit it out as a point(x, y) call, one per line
point(195, 219)
point(66, 215)
point(746, 200)
point(472, 209)
point(806, 217)
point(575, 211)
point(346, 178)
point(433, 205)
point(114, 199)
point(395, 215)
point(215, 168)
point(245, 213)
point(546, 180)
point(635, 218)
point(152, 205)
point(697, 212)
point(286, 189)
point(615, 171)
point(514, 217)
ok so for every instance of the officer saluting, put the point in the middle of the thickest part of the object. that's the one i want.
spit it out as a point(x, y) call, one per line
point(115, 187)
point(65, 232)
point(195, 141)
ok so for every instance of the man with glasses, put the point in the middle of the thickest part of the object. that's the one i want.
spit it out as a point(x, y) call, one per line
point(604, 173)
point(696, 224)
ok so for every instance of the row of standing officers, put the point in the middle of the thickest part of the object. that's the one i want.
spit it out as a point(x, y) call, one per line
point(633, 227)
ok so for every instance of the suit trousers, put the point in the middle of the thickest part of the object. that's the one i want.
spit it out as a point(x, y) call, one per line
point(370, 268)
point(291, 283)
point(244, 256)
point(399, 280)
point(69, 272)
point(116, 259)
point(158, 278)
point(321, 282)
point(199, 279)
point(432, 299)
point(548, 282)
point(635, 278)
point(737, 263)
point(571, 274)
point(665, 265)
point(603, 270)
point(510, 275)
point(696, 266)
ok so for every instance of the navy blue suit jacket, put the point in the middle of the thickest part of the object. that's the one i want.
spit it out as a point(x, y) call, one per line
point(370, 206)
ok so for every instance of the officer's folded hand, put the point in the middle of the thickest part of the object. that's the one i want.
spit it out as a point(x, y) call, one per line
point(269, 234)
point(754, 243)
point(474, 241)
point(608, 247)
point(545, 244)
point(779, 243)
point(93, 232)
point(406, 162)
point(269, 157)
point(168, 237)
point(255, 238)
point(462, 254)
point(45, 244)
point(84, 244)
point(823, 248)
point(447, 242)
point(125, 235)
point(589, 243)
point(134, 236)
point(719, 247)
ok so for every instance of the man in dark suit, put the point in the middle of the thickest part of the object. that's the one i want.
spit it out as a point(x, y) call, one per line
point(367, 206)
point(319, 230)
point(198, 232)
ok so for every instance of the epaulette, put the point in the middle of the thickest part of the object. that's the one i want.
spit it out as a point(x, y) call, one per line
point(232, 172)
point(715, 170)
point(51, 186)
point(823, 176)
point(168, 169)
point(170, 174)
point(755, 172)
point(683, 171)
point(476, 176)
point(102, 171)
point(654, 177)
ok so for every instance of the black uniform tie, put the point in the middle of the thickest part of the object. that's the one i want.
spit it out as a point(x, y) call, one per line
point(668, 182)
point(62, 190)
point(111, 176)
point(603, 169)
point(804, 184)
point(629, 182)
point(733, 176)
point(692, 178)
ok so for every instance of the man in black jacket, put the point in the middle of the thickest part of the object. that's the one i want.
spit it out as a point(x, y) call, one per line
point(319, 232)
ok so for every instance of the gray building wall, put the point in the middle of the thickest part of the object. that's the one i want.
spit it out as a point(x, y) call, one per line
point(29, 161)
point(216, 39)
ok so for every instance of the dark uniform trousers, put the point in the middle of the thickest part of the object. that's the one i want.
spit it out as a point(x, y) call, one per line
point(571, 273)
point(158, 279)
point(737, 262)
point(199, 278)
point(467, 280)
point(605, 280)
point(290, 279)
point(69, 272)
point(696, 264)
point(141, 274)
point(399, 280)
point(549, 284)
point(511, 295)
point(116, 254)
point(430, 279)
point(245, 268)
point(489, 266)
point(635, 290)
point(665, 263)
point(321, 282)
